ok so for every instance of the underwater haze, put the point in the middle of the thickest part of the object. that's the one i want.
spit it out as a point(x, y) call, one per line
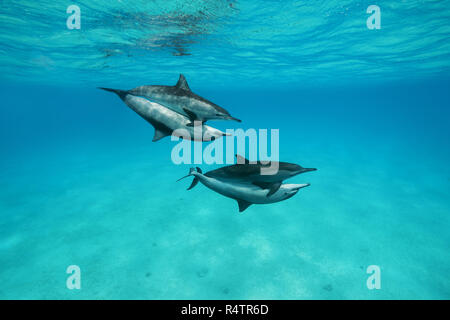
point(82, 183)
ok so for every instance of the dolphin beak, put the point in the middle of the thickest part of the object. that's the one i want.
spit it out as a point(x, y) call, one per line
point(233, 118)
point(303, 185)
point(293, 189)
point(302, 170)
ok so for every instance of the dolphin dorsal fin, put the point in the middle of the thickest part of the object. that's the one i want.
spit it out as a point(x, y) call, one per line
point(242, 160)
point(159, 134)
point(182, 83)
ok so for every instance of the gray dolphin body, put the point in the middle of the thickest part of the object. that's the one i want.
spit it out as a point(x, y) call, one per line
point(181, 99)
point(165, 121)
point(247, 171)
point(245, 194)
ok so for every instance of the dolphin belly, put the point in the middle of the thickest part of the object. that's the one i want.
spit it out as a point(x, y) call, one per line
point(170, 102)
point(168, 122)
point(243, 191)
point(177, 100)
point(189, 107)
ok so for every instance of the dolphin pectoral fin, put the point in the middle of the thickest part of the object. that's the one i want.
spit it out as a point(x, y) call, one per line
point(192, 116)
point(274, 188)
point(241, 160)
point(182, 83)
point(263, 185)
point(159, 134)
point(243, 205)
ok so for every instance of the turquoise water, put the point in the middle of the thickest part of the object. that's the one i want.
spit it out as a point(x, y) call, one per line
point(82, 184)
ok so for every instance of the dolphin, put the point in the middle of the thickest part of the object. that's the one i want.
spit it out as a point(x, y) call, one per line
point(244, 170)
point(181, 99)
point(245, 194)
point(165, 121)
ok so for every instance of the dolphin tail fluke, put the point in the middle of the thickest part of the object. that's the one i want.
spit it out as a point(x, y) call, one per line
point(120, 93)
point(195, 181)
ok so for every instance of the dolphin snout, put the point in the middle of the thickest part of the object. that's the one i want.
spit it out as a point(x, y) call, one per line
point(299, 186)
point(218, 135)
point(299, 169)
point(292, 189)
point(232, 118)
point(308, 169)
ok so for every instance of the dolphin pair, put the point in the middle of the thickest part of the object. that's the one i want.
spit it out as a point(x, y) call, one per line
point(247, 186)
point(179, 108)
point(245, 170)
point(165, 121)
